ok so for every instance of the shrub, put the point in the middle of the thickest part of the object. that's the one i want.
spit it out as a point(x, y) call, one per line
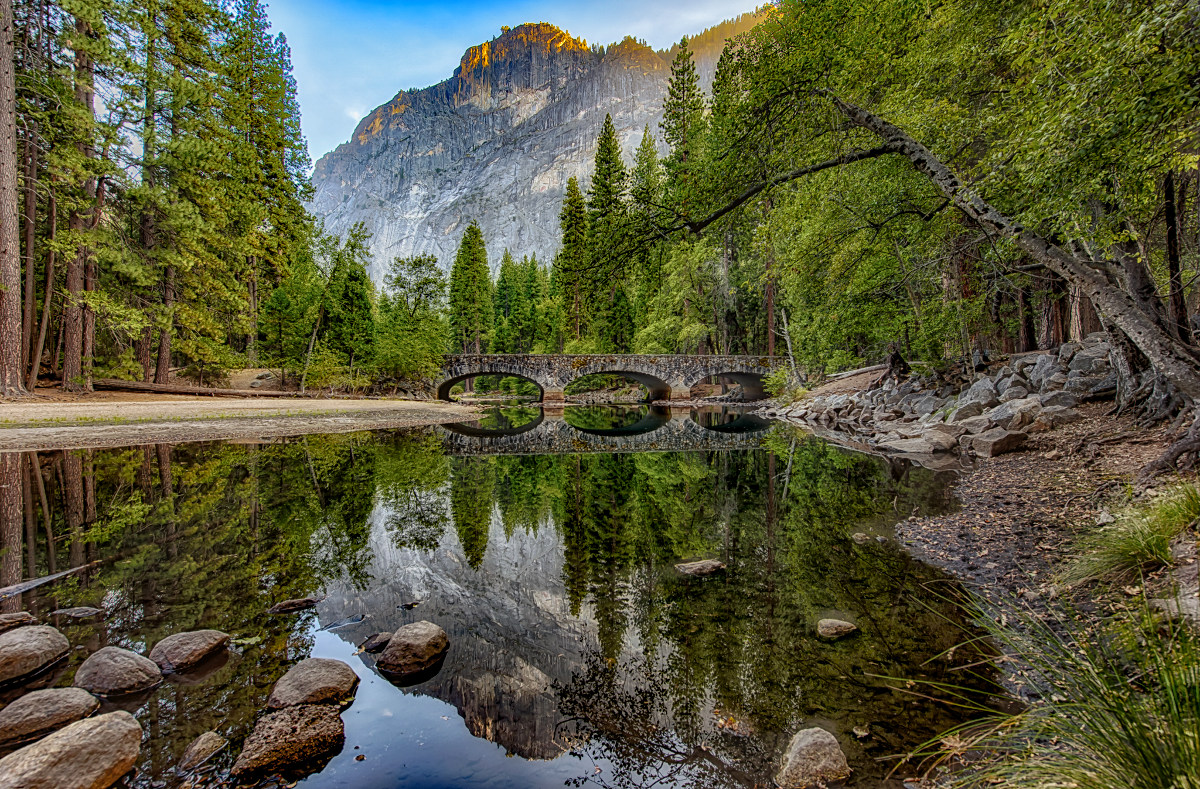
point(1139, 539)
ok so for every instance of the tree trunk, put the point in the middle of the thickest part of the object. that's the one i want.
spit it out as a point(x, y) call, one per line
point(12, 383)
point(1083, 315)
point(11, 517)
point(47, 296)
point(1125, 308)
point(162, 370)
point(1177, 309)
point(73, 328)
point(29, 226)
point(1026, 337)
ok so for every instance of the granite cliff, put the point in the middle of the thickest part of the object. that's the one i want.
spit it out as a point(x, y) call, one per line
point(495, 143)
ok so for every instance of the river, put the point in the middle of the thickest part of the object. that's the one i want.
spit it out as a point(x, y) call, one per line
point(544, 543)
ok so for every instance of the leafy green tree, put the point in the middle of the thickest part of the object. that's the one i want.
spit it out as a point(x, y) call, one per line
point(413, 335)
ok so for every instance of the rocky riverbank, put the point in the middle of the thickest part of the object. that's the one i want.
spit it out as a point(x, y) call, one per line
point(925, 416)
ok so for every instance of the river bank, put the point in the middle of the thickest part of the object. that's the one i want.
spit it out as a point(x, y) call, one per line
point(107, 419)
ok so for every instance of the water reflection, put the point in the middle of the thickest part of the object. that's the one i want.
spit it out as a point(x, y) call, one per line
point(554, 575)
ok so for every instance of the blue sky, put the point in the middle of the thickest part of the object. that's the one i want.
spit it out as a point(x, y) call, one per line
point(350, 56)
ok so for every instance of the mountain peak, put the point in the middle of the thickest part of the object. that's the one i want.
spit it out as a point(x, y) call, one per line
point(517, 44)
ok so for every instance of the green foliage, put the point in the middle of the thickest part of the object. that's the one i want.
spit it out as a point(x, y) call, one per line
point(1140, 538)
point(471, 312)
point(412, 335)
point(1118, 707)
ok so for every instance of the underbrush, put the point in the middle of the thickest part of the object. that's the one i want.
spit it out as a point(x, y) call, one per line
point(1117, 707)
point(1138, 540)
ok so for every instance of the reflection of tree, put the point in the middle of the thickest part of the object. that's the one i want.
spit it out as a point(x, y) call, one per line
point(743, 643)
point(604, 417)
point(621, 715)
point(411, 473)
point(472, 486)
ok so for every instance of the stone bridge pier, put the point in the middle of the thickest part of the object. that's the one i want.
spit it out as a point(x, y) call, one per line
point(666, 376)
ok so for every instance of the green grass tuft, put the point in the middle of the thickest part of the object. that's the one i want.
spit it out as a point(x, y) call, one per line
point(1114, 708)
point(1140, 538)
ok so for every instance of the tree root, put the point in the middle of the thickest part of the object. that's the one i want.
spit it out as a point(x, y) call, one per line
point(1184, 448)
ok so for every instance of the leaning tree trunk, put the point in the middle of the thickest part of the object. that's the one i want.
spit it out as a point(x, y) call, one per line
point(1099, 280)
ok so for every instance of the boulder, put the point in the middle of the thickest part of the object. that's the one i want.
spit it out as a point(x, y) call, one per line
point(113, 671)
point(861, 538)
point(701, 568)
point(1057, 416)
point(15, 620)
point(1045, 367)
point(813, 758)
point(997, 442)
point(1014, 393)
point(314, 681)
point(43, 711)
point(983, 392)
point(1064, 399)
point(414, 648)
point(1054, 383)
point(927, 405)
point(1083, 385)
point(967, 411)
point(1068, 350)
point(202, 749)
point(375, 643)
point(292, 606)
point(941, 442)
point(1009, 415)
point(184, 651)
point(911, 446)
point(29, 650)
point(835, 628)
point(952, 431)
point(977, 424)
point(291, 739)
point(89, 754)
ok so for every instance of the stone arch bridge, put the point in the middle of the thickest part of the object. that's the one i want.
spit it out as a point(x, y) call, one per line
point(666, 376)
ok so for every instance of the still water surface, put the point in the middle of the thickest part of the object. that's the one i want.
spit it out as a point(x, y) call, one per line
point(545, 545)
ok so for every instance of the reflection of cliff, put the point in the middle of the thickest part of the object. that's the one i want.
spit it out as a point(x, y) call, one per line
point(510, 626)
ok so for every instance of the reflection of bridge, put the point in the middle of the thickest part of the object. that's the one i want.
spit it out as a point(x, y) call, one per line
point(551, 434)
point(666, 376)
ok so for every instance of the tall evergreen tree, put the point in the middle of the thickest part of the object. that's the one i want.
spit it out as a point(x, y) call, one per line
point(571, 263)
point(471, 311)
point(683, 130)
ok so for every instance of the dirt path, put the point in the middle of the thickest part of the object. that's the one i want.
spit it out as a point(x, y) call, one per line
point(118, 419)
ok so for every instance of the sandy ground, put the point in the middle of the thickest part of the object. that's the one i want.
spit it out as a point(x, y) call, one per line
point(101, 419)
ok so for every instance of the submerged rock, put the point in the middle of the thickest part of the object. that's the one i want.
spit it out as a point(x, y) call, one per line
point(79, 612)
point(113, 671)
point(813, 757)
point(414, 648)
point(200, 751)
point(700, 568)
point(314, 681)
point(183, 651)
point(29, 650)
point(292, 606)
point(43, 711)
point(291, 739)
point(15, 620)
point(835, 628)
point(89, 754)
point(375, 643)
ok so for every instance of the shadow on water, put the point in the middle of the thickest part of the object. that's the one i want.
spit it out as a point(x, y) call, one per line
point(575, 644)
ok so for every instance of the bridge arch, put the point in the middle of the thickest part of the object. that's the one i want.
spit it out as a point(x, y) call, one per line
point(472, 367)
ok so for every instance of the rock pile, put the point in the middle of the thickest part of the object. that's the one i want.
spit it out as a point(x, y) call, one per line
point(1032, 393)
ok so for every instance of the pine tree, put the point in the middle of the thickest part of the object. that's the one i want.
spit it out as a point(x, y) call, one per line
point(572, 260)
point(471, 311)
point(683, 129)
point(11, 379)
point(510, 307)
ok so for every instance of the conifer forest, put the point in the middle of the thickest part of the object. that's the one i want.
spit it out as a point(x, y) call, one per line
point(810, 401)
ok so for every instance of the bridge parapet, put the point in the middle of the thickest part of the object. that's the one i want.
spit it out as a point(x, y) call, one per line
point(666, 376)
